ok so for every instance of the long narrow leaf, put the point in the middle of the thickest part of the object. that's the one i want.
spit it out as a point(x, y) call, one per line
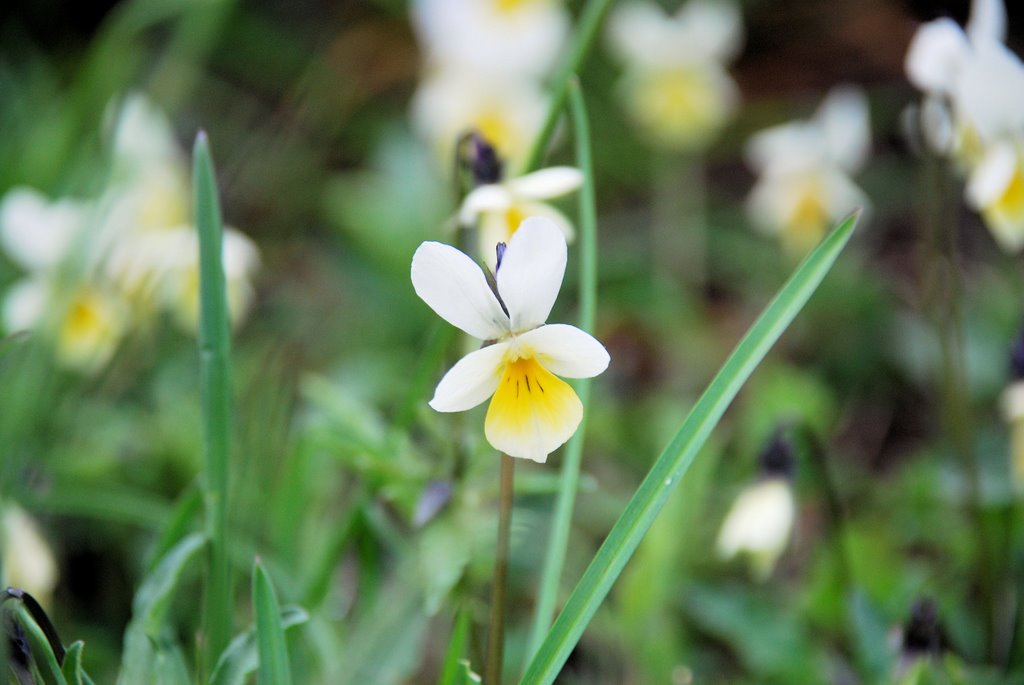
point(451, 672)
point(239, 660)
point(270, 642)
point(674, 461)
point(214, 351)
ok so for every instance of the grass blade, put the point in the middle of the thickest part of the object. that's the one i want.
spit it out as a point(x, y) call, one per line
point(451, 673)
point(674, 461)
point(239, 660)
point(42, 654)
point(270, 642)
point(561, 520)
point(214, 360)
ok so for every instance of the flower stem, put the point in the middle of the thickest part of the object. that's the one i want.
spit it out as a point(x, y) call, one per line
point(582, 40)
point(496, 633)
point(561, 520)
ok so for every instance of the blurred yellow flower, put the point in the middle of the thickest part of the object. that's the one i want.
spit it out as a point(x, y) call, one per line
point(805, 166)
point(676, 87)
point(500, 208)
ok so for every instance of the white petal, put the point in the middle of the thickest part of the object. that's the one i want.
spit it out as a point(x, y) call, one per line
point(25, 305)
point(990, 178)
point(489, 198)
point(759, 523)
point(635, 29)
point(937, 125)
point(36, 232)
point(793, 145)
point(935, 54)
point(531, 272)
point(715, 28)
point(471, 381)
point(987, 21)
point(990, 91)
point(455, 287)
point(240, 254)
point(566, 351)
point(547, 183)
point(844, 119)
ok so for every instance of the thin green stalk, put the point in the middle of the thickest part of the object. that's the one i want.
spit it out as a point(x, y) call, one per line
point(586, 30)
point(561, 519)
point(679, 239)
point(675, 460)
point(496, 632)
point(214, 360)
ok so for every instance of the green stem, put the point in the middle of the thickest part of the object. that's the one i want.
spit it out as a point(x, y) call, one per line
point(679, 238)
point(944, 293)
point(496, 633)
point(561, 520)
point(214, 359)
point(582, 40)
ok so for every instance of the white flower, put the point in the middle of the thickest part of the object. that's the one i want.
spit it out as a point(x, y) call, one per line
point(506, 112)
point(676, 87)
point(759, 524)
point(805, 169)
point(37, 232)
point(518, 38)
point(28, 561)
point(972, 83)
point(996, 189)
point(501, 207)
point(532, 411)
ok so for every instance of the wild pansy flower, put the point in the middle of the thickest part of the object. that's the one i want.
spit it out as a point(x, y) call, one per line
point(86, 318)
point(507, 112)
point(939, 63)
point(503, 38)
point(676, 87)
point(974, 102)
point(532, 411)
point(153, 254)
point(28, 560)
point(805, 169)
point(760, 521)
point(500, 208)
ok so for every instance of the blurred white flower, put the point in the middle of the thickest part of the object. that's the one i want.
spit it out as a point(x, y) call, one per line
point(759, 524)
point(28, 562)
point(996, 189)
point(532, 411)
point(506, 112)
point(969, 79)
point(805, 167)
point(503, 38)
point(1012, 402)
point(675, 85)
point(87, 320)
point(500, 208)
point(153, 252)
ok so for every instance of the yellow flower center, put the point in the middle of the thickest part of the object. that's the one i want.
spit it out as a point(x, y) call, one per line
point(495, 129)
point(513, 218)
point(679, 106)
point(808, 220)
point(89, 331)
point(532, 408)
point(509, 6)
point(1011, 202)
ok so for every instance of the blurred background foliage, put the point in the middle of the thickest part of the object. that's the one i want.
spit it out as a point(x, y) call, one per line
point(377, 515)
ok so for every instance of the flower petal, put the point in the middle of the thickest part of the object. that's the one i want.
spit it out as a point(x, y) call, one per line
point(715, 28)
point(935, 54)
point(488, 198)
point(531, 272)
point(547, 183)
point(36, 232)
point(455, 287)
point(987, 21)
point(566, 350)
point(845, 122)
point(25, 304)
point(532, 412)
point(471, 381)
point(990, 178)
point(990, 90)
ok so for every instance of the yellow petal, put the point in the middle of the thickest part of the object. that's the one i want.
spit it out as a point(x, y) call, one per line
point(532, 412)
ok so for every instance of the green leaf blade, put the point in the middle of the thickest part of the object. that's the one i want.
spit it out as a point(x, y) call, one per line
point(270, 640)
point(674, 461)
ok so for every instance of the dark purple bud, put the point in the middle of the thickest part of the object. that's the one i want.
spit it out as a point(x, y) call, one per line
point(924, 633)
point(499, 250)
point(1017, 358)
point(484, 163)
point(776, 459)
